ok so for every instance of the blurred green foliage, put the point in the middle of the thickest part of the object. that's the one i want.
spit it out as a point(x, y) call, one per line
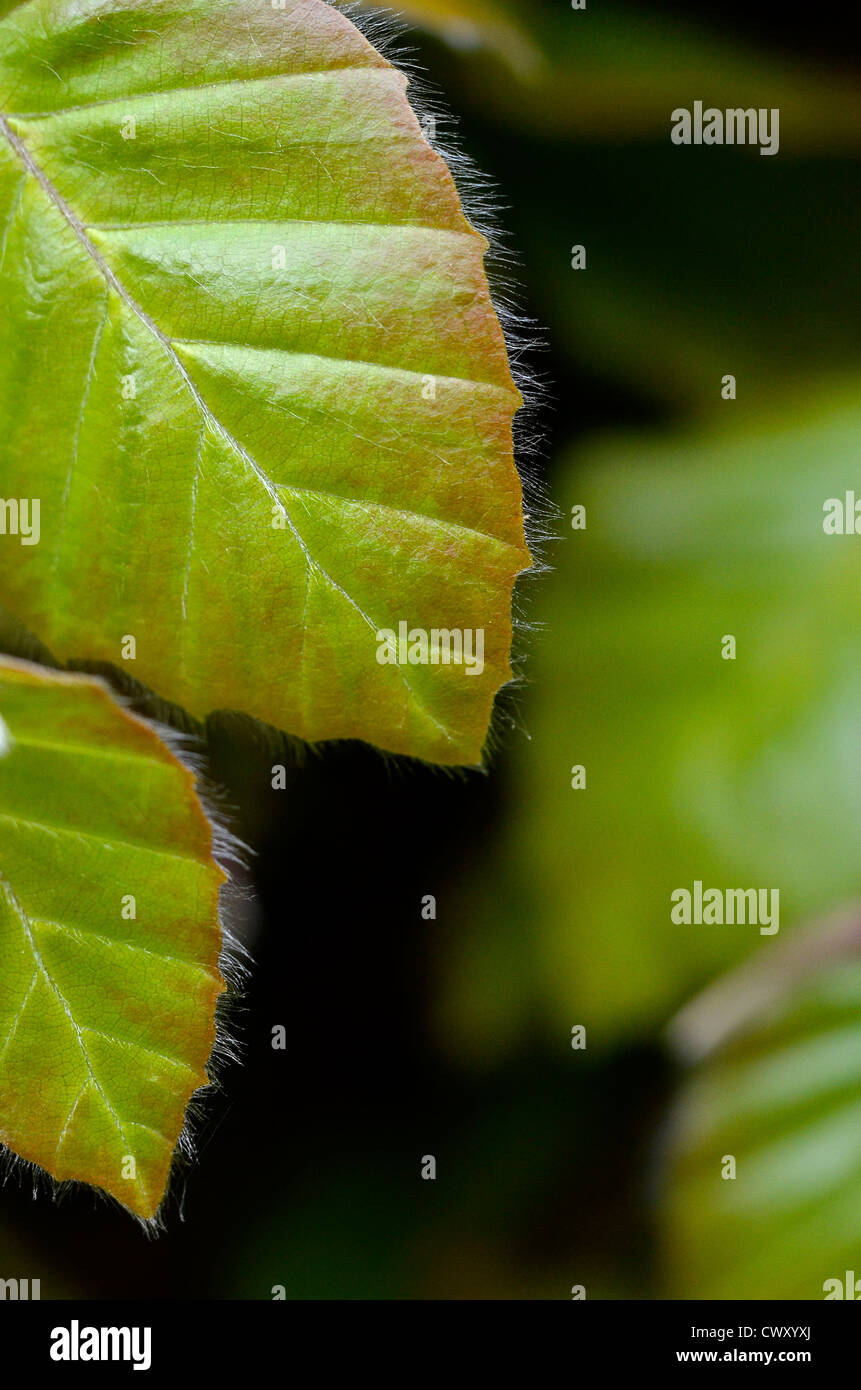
point(782, 1098)
point(491, 25)
point(735, 773)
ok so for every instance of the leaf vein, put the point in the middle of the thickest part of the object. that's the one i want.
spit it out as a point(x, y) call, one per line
point(20, 1014)
point(240, 82)
point(136, 1047)
point(13, 209)
point(110, 276)
point(64, 1004)
point(75, 930)
point(68, 831)
point(85, 396)
point(71, 1115)
point(391, 368)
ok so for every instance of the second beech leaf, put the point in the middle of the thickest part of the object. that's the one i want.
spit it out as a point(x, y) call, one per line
point(109, 937)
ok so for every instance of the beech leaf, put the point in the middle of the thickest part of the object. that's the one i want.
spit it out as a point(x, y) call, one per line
point(250, 369)
point(109, 937)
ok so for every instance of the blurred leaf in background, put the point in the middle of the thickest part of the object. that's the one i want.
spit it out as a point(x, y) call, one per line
point(474, 24)
point(738, 773)
point(779, 1092)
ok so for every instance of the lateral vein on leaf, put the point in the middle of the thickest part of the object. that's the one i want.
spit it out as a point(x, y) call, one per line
point(359, 362)
point(363, 502)
point(188, 557)
point(13, 209)
point(85, 397)
point(104, 840)
point(86, 749)
point(137, 1047)
point(20, 1014)
point(76, 930)
point(140, 313)
point(281, 221)
point(71, 1115)
point(241, 82)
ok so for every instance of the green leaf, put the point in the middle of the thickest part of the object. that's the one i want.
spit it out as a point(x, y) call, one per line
point(251, 369)
point(780, 1092)
point(697, 767)
point(109, 937)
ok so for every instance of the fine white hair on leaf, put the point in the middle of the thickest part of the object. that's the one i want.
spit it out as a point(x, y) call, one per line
point(234, 961)
point(484, 210)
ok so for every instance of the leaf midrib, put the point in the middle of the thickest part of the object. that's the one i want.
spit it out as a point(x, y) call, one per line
point(131, 303)
point(92, 1077)
point(77, 227)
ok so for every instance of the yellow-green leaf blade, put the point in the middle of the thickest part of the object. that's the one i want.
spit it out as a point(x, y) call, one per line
point(109, 937)
point(279, 418)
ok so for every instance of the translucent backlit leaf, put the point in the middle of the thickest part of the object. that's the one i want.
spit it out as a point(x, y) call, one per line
point(109, 937)
point(250, 370)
